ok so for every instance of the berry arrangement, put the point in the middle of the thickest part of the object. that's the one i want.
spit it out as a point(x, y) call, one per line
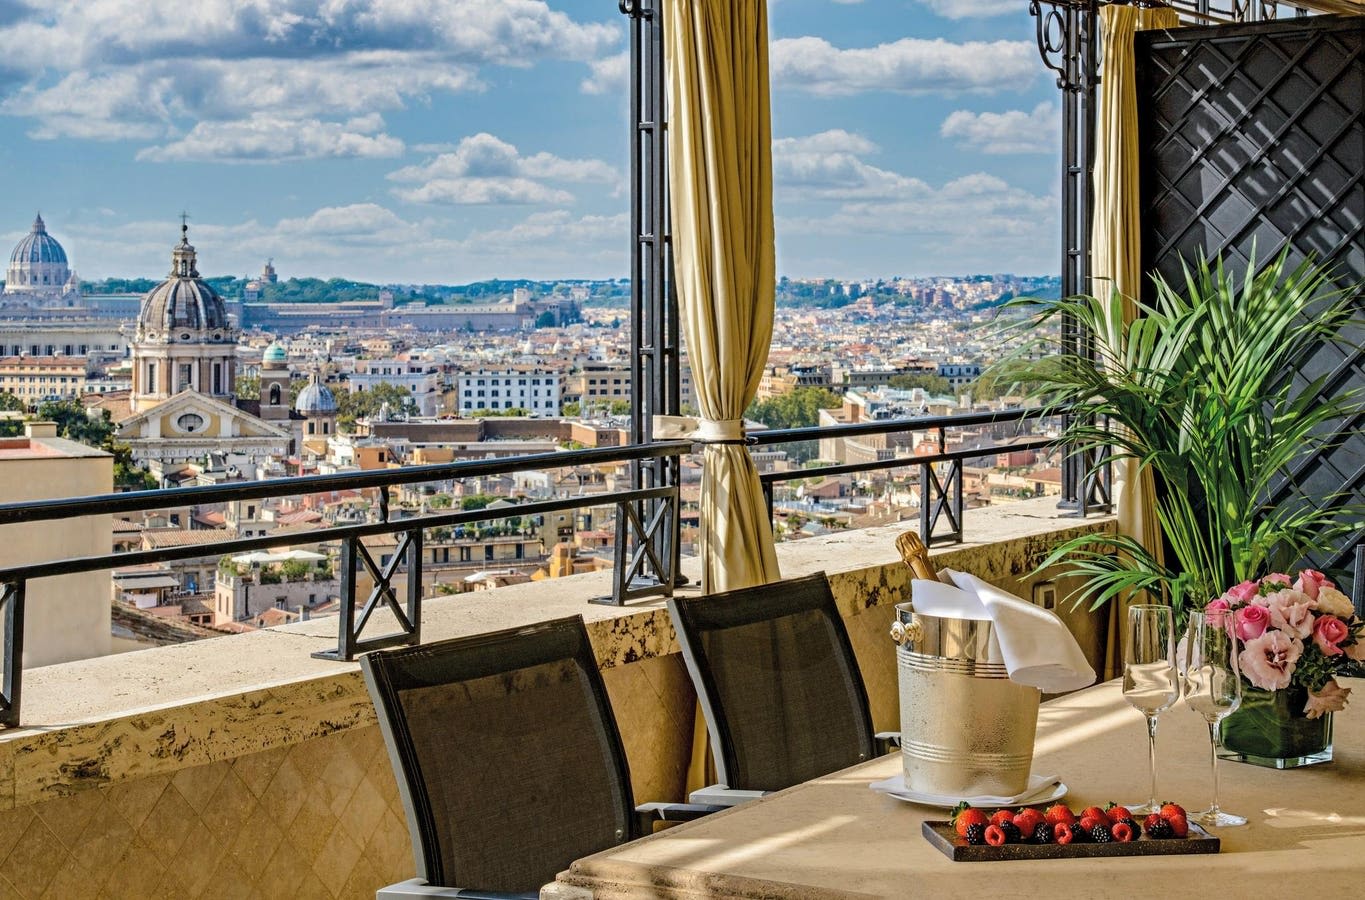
point(1057, 824)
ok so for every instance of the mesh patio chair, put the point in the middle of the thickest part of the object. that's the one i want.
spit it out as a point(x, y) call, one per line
point(778, 684)
point(508, 759)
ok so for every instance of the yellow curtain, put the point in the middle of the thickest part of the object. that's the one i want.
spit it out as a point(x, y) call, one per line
point(1116, 252)
point(720, 184)
point(720, 189)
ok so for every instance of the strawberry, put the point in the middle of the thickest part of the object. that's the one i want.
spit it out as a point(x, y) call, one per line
point(1172, 809)
point(1117, 812)
point(1089, 822)
point(1063, 833)
point(1180, 826)
point(1027, 819)
point(1059, 813)
point(1094, 812)
point(1122, 831)
point(965, 816)
point(1151, 820)
point(994, 836)
point(1002, 816)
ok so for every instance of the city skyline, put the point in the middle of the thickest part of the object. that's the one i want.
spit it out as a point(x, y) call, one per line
point(428, 142)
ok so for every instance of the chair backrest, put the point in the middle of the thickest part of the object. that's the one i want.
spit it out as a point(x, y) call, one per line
point(777, 680)
point(506, 752)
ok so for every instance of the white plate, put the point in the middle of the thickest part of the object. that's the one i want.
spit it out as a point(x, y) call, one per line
point(1041, 789)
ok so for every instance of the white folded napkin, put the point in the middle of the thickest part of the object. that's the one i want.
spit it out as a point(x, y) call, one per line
point(1035, 644)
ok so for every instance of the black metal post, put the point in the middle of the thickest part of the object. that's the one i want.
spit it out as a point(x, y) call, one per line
point(654, 320)
point(1067, 37)
point(12, 597)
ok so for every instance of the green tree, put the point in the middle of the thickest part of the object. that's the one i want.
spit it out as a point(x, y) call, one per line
point(127, 474)
point(795, 409)
point(10, 402)
point(75, 423)
point(295, 569)
point(571, 408)
point(247, 387)
point(476, 501)
point(546, 319)
point(930, 384)
point(366, 404)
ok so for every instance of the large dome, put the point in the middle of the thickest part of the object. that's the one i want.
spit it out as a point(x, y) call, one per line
point(38, 262)
point(275, 356)
point(184, 307)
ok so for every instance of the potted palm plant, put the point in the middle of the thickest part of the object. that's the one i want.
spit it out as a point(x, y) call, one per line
point(1199, 389)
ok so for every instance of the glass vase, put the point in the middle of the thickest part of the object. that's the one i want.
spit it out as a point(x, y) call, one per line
point(1270, 729)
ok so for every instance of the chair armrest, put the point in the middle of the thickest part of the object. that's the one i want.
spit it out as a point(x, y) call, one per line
point(887, 741)
point(722, 795)
point(647, 814)
point(416, 887)
point(675, 812)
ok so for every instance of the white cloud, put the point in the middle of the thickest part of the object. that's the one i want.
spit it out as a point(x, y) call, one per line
point(830, 196)
point(609, 75)
point(141, 69)
point(1014, 131)
point(829, 164)
point(366, 241)
point(910, 65)
point(266, 138)
point(970, 9)
point(485, 169)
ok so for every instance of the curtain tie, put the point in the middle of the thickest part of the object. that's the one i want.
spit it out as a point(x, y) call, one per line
point(701, 431)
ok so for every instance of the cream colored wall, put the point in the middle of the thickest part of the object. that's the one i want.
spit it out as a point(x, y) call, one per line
point(66, 617)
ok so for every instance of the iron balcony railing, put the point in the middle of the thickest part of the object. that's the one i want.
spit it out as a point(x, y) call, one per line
point(647, 524)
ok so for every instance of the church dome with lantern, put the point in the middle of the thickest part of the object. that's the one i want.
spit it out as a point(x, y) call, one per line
point(38, 262)
point(184, 307)
point(184, 339)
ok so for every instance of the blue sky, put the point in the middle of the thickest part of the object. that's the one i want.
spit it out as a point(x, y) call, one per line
point(456, 140)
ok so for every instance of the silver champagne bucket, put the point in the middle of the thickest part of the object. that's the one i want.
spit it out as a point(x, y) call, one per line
point(966, 729)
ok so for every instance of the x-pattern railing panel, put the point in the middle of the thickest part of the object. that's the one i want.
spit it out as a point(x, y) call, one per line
point(1257, 133)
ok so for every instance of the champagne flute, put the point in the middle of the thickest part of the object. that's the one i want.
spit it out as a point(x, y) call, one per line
point(1149, 677)
point(1213, 688)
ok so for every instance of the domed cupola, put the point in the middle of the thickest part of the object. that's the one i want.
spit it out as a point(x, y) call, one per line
point(318, 405)
point(184, 339)
point(38, 262)
point(275, 356)
point(184, 307)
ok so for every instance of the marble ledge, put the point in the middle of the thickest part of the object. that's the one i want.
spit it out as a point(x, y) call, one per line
point(135, 715)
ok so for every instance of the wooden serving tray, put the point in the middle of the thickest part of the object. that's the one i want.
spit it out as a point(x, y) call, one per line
point(945, 837)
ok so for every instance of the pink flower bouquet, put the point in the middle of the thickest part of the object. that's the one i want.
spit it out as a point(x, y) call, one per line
point(1299, 631)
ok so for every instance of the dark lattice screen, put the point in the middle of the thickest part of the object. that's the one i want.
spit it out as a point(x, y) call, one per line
point(1257, 133)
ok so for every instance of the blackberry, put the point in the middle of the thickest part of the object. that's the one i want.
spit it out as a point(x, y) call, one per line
point(1012, 835)
point(1160, 830)
point(1042, 834)
point(1078, 834)
point(1100, 834)
point(976, 834)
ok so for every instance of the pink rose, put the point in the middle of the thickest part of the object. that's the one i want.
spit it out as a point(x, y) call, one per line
point(1215, 611)
point(1328, 631)
point(1291, 612)
point(1310, 580)
point(1242, 593)
point(1331, 697)
point(1277, 578)
point(1268, 661)
point(1250, 622)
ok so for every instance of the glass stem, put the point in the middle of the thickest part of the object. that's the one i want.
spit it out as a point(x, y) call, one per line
point(1151, 757)
point(1213, 764)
